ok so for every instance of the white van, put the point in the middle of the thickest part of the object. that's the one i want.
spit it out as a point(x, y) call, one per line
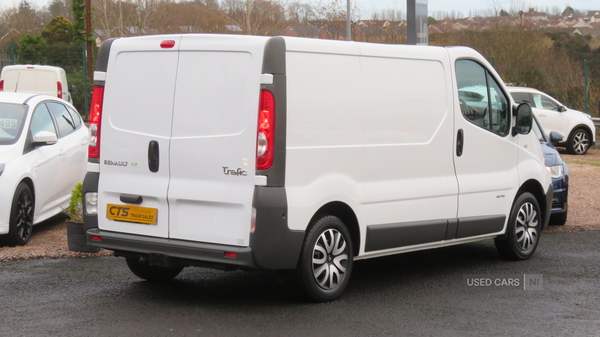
point(302, 154)
point(37, 79)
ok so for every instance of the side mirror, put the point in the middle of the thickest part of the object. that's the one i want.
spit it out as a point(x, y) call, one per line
point(562, 108)
point(43, 138)
point(73, 88)
point(555, 137)
point(524, 118)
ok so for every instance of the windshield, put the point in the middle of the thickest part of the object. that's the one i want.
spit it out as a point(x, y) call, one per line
point(12, 118)
point(538, 131)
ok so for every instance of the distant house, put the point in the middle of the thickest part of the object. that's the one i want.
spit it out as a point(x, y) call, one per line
point(11, 35)
point(535, 16)
point(302, 31)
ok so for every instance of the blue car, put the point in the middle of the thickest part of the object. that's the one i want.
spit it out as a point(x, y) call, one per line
point(559, 172)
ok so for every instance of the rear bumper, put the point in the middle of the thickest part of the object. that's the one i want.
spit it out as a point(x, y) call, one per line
point(176, 252)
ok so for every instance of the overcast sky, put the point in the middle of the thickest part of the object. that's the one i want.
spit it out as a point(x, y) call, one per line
point(459, 6)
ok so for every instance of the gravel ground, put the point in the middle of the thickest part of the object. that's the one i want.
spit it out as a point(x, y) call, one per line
point(49, 239)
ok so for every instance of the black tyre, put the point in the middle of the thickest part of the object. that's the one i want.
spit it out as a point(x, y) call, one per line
point(152, 273)
point(558, 219)
point(523, 229)
point(326, 260)
point(21, 216)
point(579, 142)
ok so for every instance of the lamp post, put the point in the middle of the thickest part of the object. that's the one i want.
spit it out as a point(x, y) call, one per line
point(348, 22)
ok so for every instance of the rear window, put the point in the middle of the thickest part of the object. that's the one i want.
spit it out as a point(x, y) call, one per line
point(12, 118)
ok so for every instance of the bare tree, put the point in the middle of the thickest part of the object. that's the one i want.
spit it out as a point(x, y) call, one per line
point(256, 17)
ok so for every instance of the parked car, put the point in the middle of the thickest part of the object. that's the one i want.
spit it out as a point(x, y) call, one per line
point(38, 79)
point(43, 154)
point(577, 128)
point(559, 172)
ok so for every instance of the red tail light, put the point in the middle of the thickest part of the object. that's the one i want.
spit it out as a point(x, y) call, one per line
point(95, 119)
point(2, 85)
point(266, 131)
point(58, 89)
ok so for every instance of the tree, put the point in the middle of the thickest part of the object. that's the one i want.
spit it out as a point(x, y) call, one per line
point(256, 17)
point(32, 49)
point(78, 7)
point(504, 13)
point(59, 7)
point(61, 51)
point(58, 30)
point(431, 21)
point(568, 11)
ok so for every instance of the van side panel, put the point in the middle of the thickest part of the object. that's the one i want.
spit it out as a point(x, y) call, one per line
point(324, 135)
point(410, 182)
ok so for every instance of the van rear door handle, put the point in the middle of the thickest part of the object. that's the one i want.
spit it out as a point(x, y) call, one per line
point(153, 156)
point(131, 199)
point(459, 142)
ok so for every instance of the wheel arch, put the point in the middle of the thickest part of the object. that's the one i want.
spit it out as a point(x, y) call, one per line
point(533, 186)
point(29, 183)
point(584, 127)
point(346, 214)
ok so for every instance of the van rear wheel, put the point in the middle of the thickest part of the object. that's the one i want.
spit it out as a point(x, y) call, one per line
point(326, 260)
point(152, 273)
point(523, 229)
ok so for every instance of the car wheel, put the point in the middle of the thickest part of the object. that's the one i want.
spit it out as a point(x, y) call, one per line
point(326, 260)
point(152, 273)
point(579, 142)
point(558, 219)
point(523, 229)
point(21, 216)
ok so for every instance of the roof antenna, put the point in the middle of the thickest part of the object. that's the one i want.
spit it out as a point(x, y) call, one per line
point(17, 85)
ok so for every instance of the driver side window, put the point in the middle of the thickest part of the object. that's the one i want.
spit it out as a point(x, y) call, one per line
point(482, 102)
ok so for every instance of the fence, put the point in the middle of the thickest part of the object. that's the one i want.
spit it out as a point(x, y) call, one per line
point(70, 57)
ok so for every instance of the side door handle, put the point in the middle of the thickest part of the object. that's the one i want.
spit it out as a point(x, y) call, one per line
point(459, 142)
point(153, 156)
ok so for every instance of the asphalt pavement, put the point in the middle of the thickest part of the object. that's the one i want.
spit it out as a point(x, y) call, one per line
point(465, 290)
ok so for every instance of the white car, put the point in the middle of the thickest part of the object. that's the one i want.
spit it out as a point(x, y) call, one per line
point(579, 132)
point(43, 154)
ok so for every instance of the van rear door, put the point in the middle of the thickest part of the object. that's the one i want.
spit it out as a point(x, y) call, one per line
point(213, 146)
point(135, 136)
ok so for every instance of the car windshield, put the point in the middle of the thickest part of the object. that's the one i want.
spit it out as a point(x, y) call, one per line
point(538, 131)
point(12, 117)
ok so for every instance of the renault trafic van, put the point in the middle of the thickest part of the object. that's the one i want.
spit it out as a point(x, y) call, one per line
point(243, 152)
point(36, 79)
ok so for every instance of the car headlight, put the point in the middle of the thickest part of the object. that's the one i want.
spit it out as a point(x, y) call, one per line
point(556, 171)
point(588, 116)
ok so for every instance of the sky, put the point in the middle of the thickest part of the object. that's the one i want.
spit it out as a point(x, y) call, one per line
point(463, 7)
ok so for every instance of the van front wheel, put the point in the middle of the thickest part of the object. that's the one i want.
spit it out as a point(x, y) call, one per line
point(523, 229)
point(152, 273)
point(326, 260)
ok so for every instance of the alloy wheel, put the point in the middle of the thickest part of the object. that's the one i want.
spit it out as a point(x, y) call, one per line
point(24, 215)
point(329, 259)
point(581, 142)
point(526, 232)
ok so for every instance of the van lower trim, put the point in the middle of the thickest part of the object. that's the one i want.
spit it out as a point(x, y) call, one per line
point(396, 235)
point(178, 249)
point(404, 234)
